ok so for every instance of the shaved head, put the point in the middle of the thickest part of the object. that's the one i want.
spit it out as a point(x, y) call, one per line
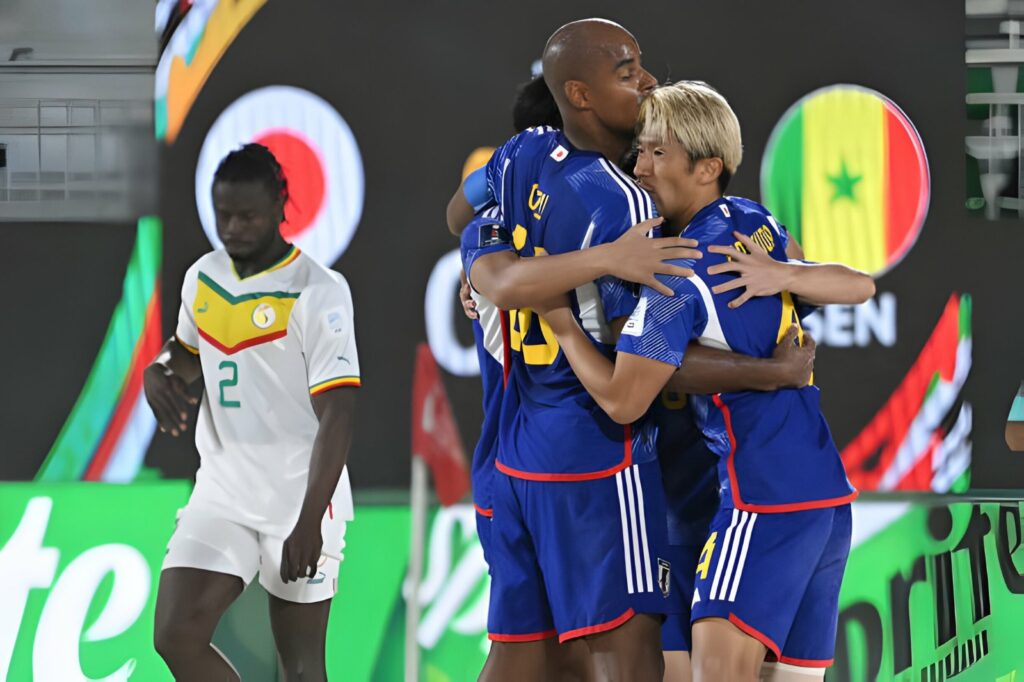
point(578, 49)
point(592, 68)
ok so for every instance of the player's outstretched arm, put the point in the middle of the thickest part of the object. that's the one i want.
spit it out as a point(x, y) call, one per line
point(513, 282)
point(761, 275)
point(335, 409)
point(459, 211)
point(710, 370)
point(624, 389)
point(165, 382)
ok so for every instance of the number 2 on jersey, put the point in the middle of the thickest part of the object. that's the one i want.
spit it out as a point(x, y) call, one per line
point(227, 383)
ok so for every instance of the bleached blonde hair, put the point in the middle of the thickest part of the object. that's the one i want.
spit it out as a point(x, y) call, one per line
point(696, 116)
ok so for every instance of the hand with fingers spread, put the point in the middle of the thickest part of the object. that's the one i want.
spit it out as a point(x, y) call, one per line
point(797, 360)
point(466, 297)
point(302, 551)
point(167, 395)
point(634, 257)
point(758, 273)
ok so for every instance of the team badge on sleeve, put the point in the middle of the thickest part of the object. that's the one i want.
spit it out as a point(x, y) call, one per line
point(635, 324)
point(334, 321)
point(493, 234)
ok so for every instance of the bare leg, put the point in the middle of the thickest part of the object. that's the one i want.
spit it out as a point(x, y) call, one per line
point(677, 666)
point(721, 651)
point(782, 672)
point(569, 662)
point(300, 633)
point(631, 651)
point(514, 661)
point(189, 604)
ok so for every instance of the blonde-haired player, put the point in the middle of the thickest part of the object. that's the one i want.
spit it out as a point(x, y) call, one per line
point(784, 490)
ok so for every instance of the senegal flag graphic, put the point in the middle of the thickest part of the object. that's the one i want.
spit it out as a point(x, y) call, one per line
point(846, 172)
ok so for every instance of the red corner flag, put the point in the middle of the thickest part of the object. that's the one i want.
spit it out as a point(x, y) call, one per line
point(434, 435)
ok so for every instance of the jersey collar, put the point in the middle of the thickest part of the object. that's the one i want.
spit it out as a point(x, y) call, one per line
point(704, 211)
point(286, 260)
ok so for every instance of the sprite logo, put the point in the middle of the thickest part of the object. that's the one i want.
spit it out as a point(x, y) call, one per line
point(936, 593)
point(79, 566)
point(455, 591)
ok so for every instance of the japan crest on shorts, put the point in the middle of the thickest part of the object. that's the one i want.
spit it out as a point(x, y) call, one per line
point(664, 577)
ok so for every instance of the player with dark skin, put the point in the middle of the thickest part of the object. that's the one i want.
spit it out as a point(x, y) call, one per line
point(593, 69)
point(191, 601)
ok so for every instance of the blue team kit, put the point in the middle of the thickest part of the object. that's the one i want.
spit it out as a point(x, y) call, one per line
point(690, 482)
point(783, 517)
point(774, 453)
point(578, 532)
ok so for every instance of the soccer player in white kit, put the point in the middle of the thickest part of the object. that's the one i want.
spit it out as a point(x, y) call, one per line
point(270, 332)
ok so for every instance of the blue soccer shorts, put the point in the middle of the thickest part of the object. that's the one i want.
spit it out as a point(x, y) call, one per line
point(777, 577)
point(571, 559)
point(675, 631)
point(483, 530)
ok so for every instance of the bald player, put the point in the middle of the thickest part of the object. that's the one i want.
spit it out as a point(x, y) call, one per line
point(602, 103)
point(579, 520)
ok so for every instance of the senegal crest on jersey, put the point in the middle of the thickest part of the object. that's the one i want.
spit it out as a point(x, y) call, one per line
point(231, 323)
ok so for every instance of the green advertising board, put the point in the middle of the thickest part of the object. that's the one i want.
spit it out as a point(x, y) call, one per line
point(79, 564)
point(931, 592)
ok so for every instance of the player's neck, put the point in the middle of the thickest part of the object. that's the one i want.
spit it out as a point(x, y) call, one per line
point(696, 206)
point(593, 137)
point(265, 259)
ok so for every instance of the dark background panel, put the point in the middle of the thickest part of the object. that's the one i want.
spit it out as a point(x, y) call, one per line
point(60, 283)
point(422, 85)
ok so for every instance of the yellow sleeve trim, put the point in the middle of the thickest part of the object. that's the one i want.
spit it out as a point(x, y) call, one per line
point(191, 349)
point(337, 382)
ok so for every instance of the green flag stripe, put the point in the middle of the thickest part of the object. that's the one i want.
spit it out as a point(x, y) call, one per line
point(85, 426)
point(782, 177)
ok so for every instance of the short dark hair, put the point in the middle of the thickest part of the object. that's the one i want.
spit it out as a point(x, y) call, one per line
point(254, 163)
point(535, 106)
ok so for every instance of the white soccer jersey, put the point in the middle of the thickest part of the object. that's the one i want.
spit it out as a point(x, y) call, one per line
point(267, 343)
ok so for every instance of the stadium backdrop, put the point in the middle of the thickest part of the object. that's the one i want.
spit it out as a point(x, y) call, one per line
point(853, 112)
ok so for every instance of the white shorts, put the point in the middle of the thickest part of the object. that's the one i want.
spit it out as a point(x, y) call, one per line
point(202, 539)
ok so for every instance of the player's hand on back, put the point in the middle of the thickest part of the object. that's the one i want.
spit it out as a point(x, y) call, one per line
point(167, 395)
point(758, 273)
point(466, 297)
point(796, 362)
point(300, 555)
point(634, 257)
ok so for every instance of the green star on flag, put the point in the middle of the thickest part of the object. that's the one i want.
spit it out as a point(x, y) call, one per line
point(844, 183)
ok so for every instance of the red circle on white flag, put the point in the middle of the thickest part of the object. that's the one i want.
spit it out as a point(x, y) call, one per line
point(318, 154)
point(304, 172)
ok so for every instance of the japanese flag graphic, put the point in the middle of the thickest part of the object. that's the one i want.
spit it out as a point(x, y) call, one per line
point(318, 154)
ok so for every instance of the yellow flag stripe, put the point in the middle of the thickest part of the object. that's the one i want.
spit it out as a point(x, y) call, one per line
point(844, 162)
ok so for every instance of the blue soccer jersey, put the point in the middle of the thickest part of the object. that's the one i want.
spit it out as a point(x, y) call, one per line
point(556, 199)
point(688, 470)
point(775, 450)
point(489, 336)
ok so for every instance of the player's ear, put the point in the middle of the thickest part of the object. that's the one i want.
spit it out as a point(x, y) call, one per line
point(577, 94)
point(279, 209)
point(710, 169)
